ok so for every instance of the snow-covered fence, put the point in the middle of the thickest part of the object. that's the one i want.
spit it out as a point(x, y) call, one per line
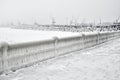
point(15, 56)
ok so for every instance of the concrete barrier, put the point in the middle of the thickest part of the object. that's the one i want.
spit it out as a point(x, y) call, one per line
point(15, 56)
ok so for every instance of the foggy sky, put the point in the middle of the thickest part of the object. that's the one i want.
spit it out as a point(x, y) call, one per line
point(42, 11)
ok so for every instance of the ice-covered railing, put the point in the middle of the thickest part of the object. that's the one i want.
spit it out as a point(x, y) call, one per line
point(15, 56)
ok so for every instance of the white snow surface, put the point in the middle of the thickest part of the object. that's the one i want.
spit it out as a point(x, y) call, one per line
point(21, 35)
point(13, 36)
point(101, 62)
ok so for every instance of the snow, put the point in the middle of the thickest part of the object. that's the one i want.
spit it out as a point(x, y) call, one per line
point(101, 62)
point(19, 35)
point(13, 36)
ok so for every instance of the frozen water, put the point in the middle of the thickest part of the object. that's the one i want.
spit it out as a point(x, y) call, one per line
point(19, 35)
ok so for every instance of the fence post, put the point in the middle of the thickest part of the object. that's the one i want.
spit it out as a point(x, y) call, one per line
point(4, 49)
point(98, 38)
point(83, 36)
point(55, 44)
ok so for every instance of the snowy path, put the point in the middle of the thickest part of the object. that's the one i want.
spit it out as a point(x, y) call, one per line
point(98, 63)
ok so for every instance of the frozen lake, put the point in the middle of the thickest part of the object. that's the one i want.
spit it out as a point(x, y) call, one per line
point(19, 35)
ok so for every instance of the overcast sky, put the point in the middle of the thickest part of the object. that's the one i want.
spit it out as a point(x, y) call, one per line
point(42, 11)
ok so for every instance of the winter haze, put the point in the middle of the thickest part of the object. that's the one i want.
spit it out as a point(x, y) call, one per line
point(42, 11)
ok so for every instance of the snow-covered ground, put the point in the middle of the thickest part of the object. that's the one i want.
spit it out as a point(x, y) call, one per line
point(13, 36)
point(98, 63)
point(19, 35)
